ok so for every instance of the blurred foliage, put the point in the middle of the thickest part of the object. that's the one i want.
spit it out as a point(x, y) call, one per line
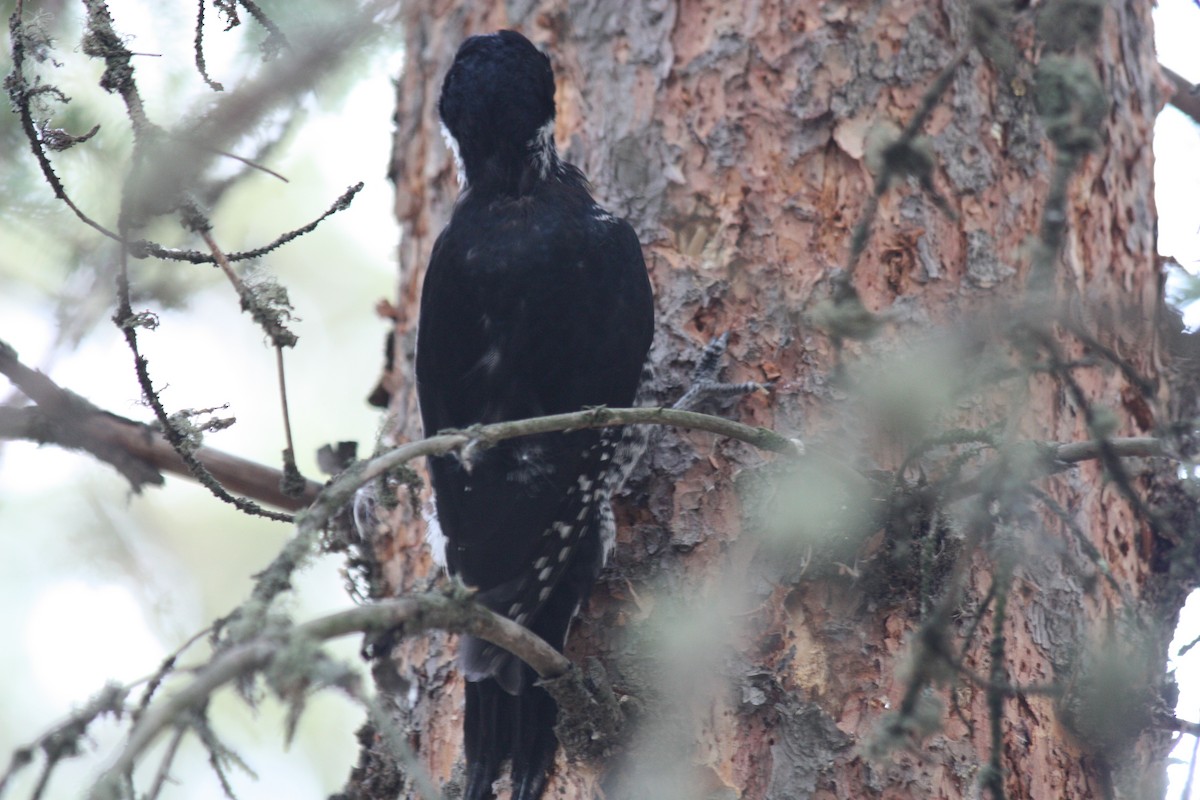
point(1183, 287)
point(92, 581)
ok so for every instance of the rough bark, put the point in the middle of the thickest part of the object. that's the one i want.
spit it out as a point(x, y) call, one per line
point(736, 139)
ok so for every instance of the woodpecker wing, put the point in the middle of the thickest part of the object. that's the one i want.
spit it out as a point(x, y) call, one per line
point(533, 304)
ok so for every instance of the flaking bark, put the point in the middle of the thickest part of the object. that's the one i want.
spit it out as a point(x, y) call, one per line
point(736, 140)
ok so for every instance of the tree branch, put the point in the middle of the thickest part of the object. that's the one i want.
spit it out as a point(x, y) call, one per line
point(1050, 458)
point(600, 417)
point(1172, 723)
point(62, 740)
point(139, 452)
point(1185, 98)
point(412, 615)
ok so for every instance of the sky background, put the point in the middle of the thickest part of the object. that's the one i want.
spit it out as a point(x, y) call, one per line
point(1177, 185)
point(96, 584)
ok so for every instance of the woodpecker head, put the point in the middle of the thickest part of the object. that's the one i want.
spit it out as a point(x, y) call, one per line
point(497, 109)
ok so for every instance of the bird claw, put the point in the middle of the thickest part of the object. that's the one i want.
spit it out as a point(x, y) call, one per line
point(704, 384)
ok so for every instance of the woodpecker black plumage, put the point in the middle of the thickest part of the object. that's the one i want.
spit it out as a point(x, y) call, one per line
point(536, 301)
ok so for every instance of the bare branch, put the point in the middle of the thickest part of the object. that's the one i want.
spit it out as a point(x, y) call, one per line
point(1125, 447)
point(601, 417)
point(20, 93)
point(139, 452)
point(142, 248)
point(1054, 455)
point(164, 766)
point(414, 614)
point(128, 322)
point(1185, 97)
point(1170, 723)
point(198, 50)
point(63, 739)
point(101, 431)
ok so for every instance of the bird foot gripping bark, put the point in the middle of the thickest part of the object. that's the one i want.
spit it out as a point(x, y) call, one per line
point(704, 385)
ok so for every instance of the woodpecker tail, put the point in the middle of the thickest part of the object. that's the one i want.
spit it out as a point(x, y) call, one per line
point(499, 725)
point(486, 736)
point(507, 715)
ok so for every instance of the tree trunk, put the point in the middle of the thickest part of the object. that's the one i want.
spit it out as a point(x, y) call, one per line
point(757, 659)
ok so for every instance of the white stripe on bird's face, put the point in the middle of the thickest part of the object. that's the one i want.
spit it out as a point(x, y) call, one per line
point(543, 149)
point(452, 146)
point(434, 536)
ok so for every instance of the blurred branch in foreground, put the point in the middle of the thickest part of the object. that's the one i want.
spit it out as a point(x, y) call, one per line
point(138, 451)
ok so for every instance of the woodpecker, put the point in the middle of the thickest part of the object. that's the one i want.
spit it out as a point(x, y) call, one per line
point(536, 301)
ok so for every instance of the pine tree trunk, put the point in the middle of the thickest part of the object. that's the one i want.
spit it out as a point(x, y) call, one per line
point(736, 139)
